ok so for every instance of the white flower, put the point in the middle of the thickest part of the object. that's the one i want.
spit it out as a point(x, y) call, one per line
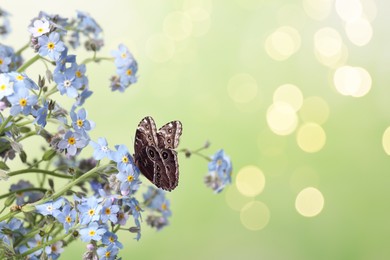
point(6, 88)
point(40, 27)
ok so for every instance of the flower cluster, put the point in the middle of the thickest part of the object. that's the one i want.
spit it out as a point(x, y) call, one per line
point(220, 171)
point(100, 196)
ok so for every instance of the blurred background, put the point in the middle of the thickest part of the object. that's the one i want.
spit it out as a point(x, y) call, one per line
point(296, 92)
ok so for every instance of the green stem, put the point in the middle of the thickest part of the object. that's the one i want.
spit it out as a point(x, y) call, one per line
point(96, 59)
point(28, 63)
point(39, 171)
point(51, 92)
point(22, 190)
point(4, 124)
point(27, 236)
point(43, 245)
point(22, 49)
point(67, 187)
point(10, 215)
point(27, 122)
point(32, 133)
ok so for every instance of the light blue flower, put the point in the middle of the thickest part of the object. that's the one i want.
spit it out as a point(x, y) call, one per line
point(110, 238)
point(92, 232)
point(66, 82)
point(41, 115)
point(50, 208)
point(54, 250)
point(128, 177)
point(109, 212)
point(5, 61)
point(79, 121)
point(63, 60)
point(72, 142)
point(21, 101)
point(101, 149)
point(90, 210)
point(51, 46)
point(67, 217)
point(22, 80)
point(122, 56)
point(122, 157)
point(220, 171)
point(107, 253)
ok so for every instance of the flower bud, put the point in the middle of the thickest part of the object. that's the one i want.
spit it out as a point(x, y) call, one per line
point(28, 208)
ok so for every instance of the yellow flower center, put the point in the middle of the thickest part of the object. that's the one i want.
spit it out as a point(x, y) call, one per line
point(49, 208)
point(124, 55)
point(137, 208)
point(39, 243)
point(108, 253)
point(111, 239)
point(22, 102)
point(79, 123)
point(91, 212)
point(92, 233)
point(219, 162)
point(130, 178)
point(129, 72)
point(164, 206)
point(53, 248)
point(20, 77)
point(51, 45)
point(121, 216)
point(125, 159)
point(108, 211)
point(3, 87)
point(68, 219)
point(71, 140)
point(40, 30)
point(1, 61)
point(79, 74)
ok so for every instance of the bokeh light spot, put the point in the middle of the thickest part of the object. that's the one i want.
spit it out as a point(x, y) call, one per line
point(242, 88)
point(199, 13)
point(283, 43)
point(235, 199)
point(160, 48)
point(177, 25)
point(317, 9)
point(359, 31)
point(311, 137)
point(282, 118)
point(349, 10)
point(250, 181)
point(255, 215)
point(327, 41)
point(309, 202)
point(289, 94)
point(352, 81)
point(314, 109)
point(386, 140)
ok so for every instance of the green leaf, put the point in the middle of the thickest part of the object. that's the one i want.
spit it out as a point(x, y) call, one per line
point(3, 166)
point(48, 155)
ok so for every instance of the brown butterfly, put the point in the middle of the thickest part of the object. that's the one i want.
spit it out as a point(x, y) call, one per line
point(154, 152)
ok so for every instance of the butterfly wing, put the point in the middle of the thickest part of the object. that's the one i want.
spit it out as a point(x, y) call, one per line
point(169, 159)
point(146, 134)
point(168, 135)
point(154, 154)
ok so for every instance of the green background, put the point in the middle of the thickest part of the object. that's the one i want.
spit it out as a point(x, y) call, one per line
point(190, 83)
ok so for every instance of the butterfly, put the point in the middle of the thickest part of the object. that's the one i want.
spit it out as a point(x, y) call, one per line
point(154, 152)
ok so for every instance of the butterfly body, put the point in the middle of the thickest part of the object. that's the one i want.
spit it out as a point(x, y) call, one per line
point(154, 152)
